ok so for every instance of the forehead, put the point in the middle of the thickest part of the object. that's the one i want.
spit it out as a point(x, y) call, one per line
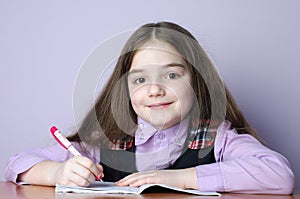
point(156, 53)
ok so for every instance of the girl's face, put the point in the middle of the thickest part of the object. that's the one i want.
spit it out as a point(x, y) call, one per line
point(160, 85)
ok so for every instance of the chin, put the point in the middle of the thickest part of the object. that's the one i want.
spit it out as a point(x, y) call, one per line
point(162, 126)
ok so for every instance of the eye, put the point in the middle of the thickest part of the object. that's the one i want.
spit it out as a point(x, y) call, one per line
point(173, 76)
point(139, 80)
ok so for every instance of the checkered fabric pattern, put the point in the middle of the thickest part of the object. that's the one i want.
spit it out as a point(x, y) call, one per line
point(201, 137)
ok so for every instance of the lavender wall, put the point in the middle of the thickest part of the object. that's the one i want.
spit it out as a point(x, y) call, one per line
point(43, 44)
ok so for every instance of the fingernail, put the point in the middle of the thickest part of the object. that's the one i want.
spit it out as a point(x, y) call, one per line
point(98, 178)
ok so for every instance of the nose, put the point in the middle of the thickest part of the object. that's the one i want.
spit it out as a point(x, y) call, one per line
point(155, 90)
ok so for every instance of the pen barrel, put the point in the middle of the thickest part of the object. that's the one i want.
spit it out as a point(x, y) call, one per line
point(73, 150)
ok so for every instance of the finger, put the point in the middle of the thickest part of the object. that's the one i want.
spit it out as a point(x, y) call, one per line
point(83, 172)
point(96, 170)
point(78, 180)
point(141, 180)
point(135, 180)
point(131, 176)
point(100, 173)
point(124, 181)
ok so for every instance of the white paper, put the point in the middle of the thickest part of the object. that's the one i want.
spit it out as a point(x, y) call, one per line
point(110, 188)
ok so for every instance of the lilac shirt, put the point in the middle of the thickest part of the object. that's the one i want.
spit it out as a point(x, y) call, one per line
point(158, 149)
point(242, 165)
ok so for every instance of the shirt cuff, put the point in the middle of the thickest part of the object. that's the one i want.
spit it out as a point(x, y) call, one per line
point(18, 169)
point(210, 178)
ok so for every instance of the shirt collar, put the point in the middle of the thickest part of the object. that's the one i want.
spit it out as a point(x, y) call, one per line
point(176, 133)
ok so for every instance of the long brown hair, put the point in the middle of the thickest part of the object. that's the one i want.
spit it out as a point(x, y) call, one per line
point(113, 118)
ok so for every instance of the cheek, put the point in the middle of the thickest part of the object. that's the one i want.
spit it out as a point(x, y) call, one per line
point(186, 96)
point(189, 99)
point(182, 90)
point(136, 96)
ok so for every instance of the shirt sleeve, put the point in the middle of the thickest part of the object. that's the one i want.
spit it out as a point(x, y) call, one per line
point(23, 161)
point(244, 165)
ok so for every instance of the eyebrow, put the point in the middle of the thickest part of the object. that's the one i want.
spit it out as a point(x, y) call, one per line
point(165, 66)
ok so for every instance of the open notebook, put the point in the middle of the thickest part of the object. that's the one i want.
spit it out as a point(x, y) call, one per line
point(110, 188)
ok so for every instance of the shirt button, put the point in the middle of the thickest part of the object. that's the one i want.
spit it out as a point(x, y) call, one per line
point(161, 136)
point(141, 125)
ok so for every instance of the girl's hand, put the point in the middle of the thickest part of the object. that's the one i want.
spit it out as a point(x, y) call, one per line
point(77, 171)
point(182, 178)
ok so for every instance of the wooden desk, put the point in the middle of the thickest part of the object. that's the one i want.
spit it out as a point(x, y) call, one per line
point(9, 190)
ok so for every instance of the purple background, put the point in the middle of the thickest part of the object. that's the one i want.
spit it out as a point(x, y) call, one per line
point(254, 43)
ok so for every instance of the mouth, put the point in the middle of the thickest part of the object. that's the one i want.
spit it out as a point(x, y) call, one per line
point(161, 105)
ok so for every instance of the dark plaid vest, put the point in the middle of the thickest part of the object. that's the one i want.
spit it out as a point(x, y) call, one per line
point(119, 161)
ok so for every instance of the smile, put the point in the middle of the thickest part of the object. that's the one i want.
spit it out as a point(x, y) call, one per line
point(159, 105)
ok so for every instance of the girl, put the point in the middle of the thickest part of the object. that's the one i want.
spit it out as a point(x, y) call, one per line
point(163, 117)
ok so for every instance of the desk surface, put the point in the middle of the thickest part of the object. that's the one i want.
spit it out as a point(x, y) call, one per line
point(12, 191)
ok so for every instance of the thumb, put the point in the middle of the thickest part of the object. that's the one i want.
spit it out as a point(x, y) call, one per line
point(100, 172)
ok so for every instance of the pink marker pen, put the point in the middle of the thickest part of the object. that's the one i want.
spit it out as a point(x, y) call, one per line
point(63, 141)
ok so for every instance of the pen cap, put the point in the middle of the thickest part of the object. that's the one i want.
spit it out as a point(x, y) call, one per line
point(53, 129)
point(59, 137)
